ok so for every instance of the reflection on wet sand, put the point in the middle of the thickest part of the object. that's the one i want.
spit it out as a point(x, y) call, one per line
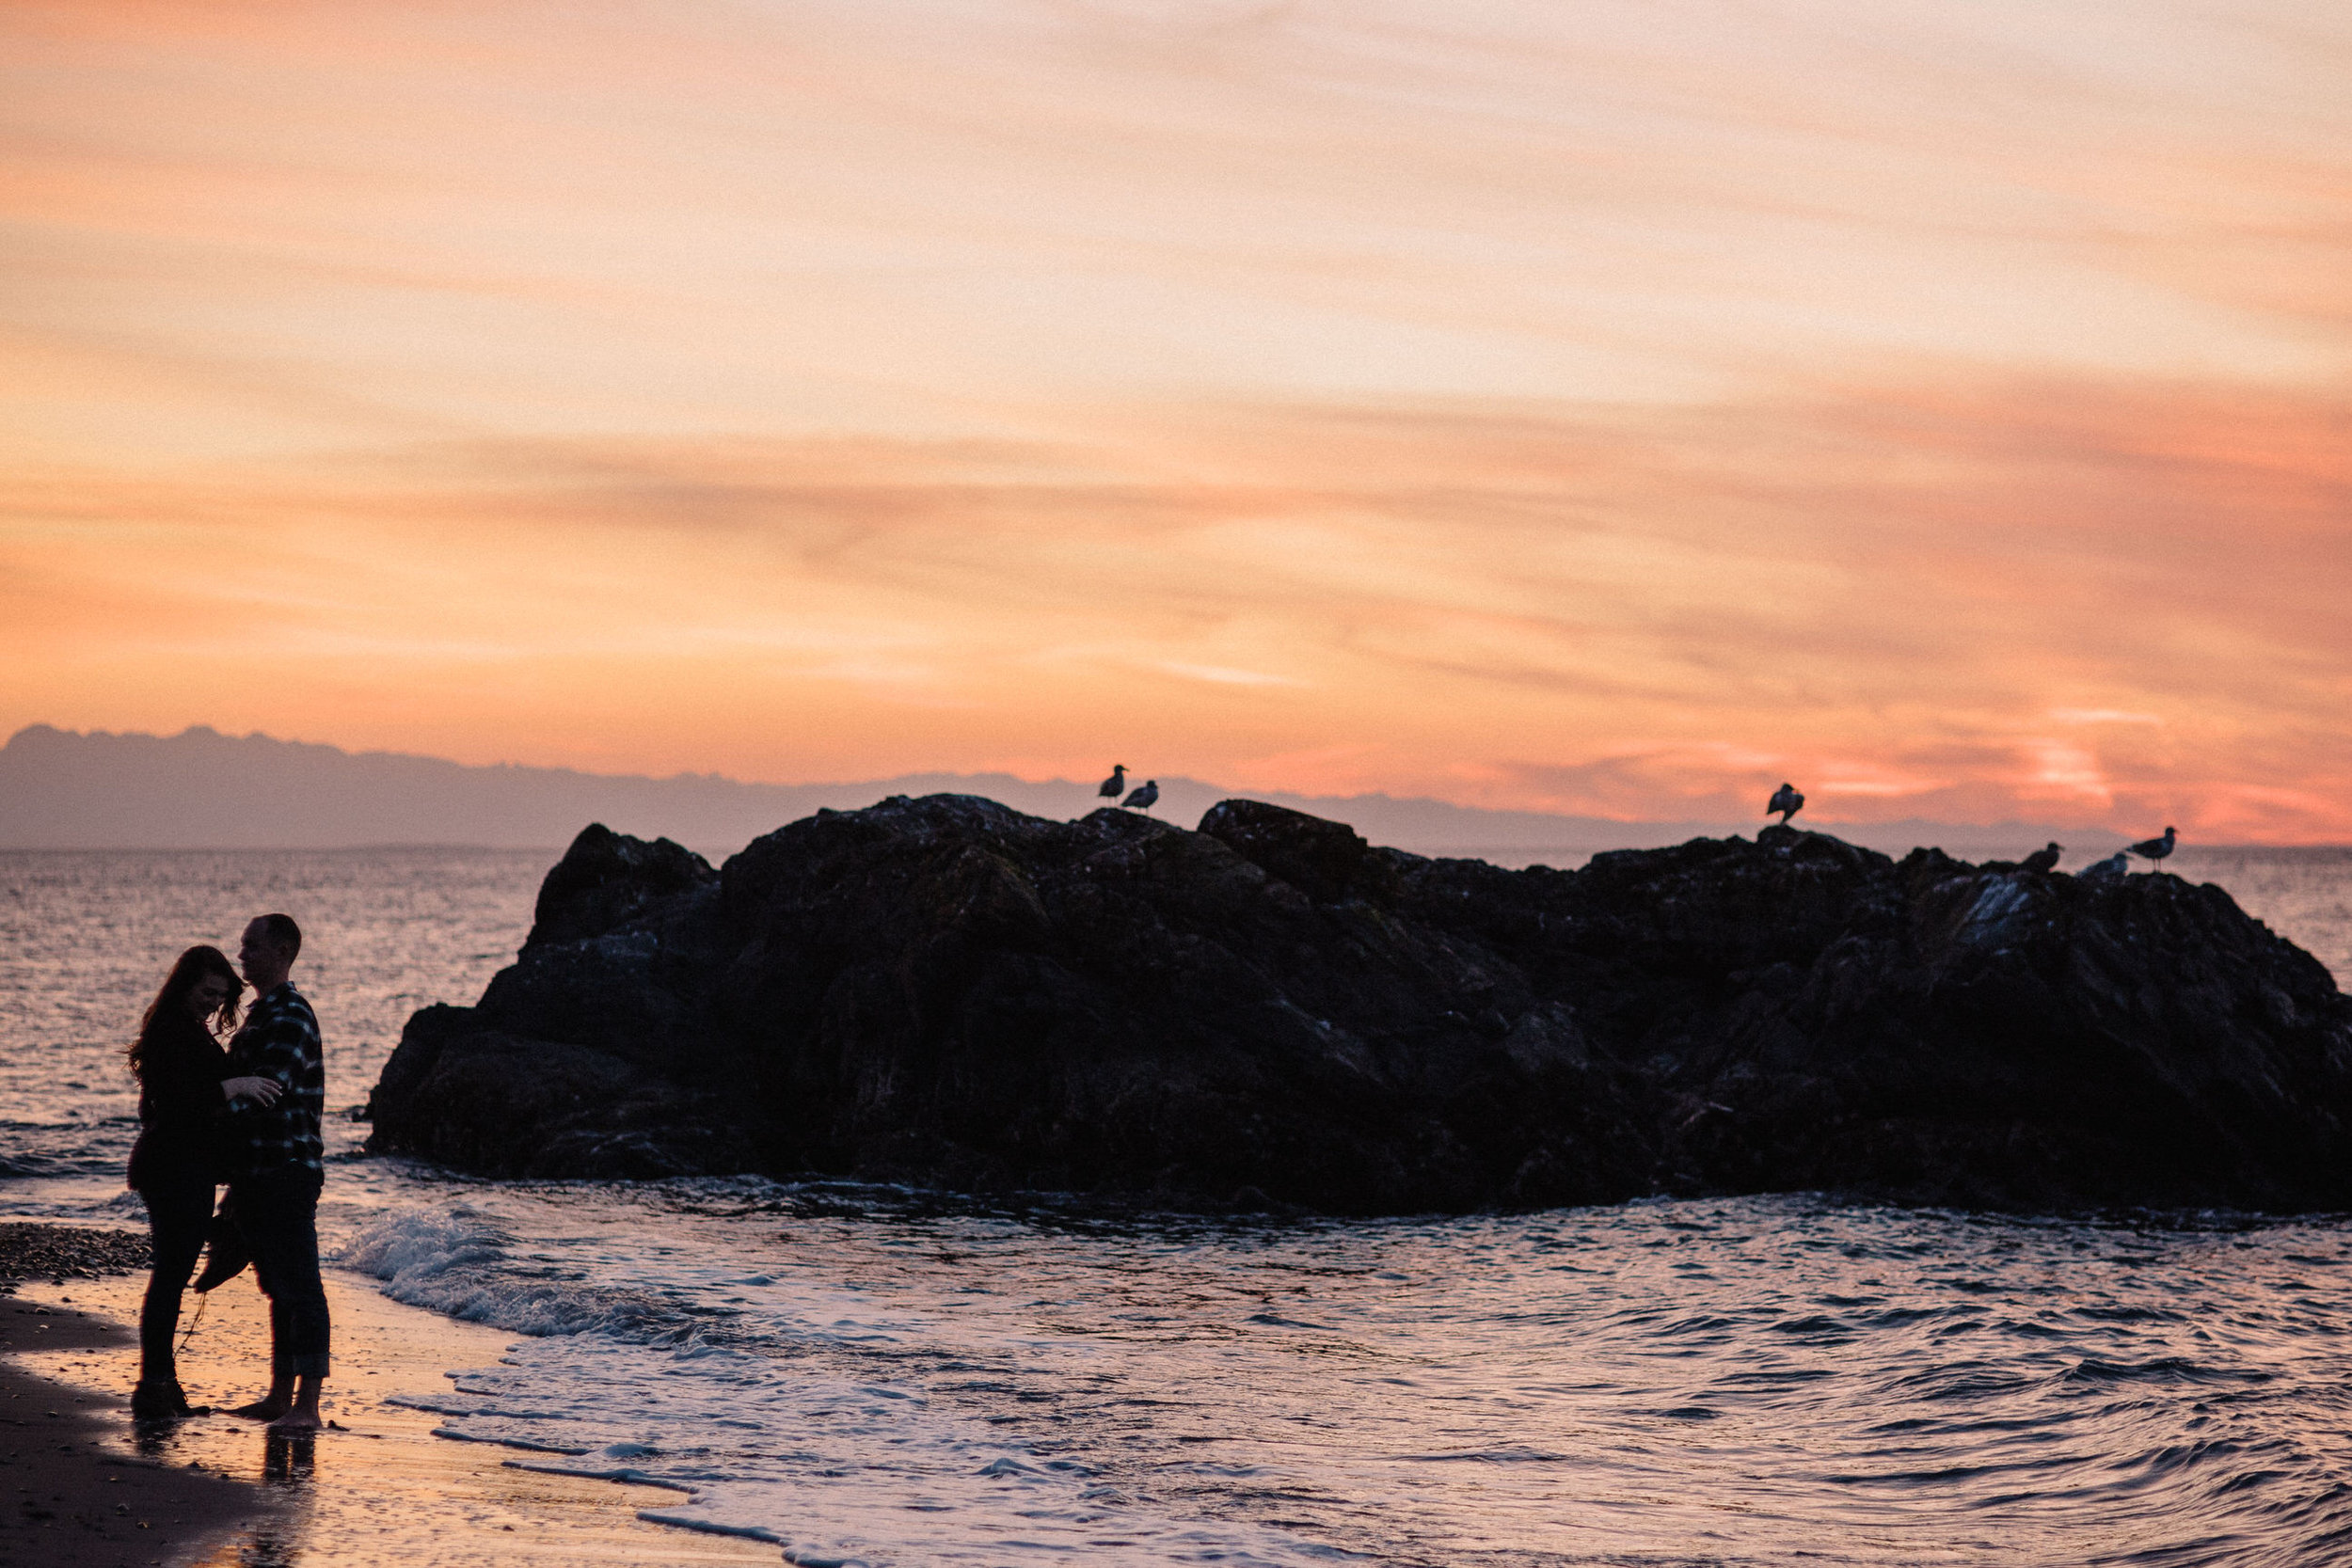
point(381, 1490)
point(276, 1539)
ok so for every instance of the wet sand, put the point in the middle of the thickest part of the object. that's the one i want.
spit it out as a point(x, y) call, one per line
point(73, 1492)
point(386, 1491)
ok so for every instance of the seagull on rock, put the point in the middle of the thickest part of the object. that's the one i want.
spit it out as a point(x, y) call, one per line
point(1145, 795)
point(1787, 802)
point(2043, 860)
point(2156, 849)
point(1115, 784)
point(2107, 870)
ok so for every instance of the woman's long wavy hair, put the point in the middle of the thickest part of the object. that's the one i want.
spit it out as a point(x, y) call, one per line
point(172, 1003)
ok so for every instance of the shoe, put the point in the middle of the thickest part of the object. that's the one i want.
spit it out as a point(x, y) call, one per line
point(158, 1402)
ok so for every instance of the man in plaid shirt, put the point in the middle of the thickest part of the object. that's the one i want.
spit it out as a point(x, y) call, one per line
point(274, 1189)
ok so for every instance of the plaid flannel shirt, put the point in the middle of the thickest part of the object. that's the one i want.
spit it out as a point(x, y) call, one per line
point(279, 1040)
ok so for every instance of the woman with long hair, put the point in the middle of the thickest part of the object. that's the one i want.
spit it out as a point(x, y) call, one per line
point(183, 1111)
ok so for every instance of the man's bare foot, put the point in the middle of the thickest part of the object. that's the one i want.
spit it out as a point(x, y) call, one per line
point(295, 1421)
point(263, 1410)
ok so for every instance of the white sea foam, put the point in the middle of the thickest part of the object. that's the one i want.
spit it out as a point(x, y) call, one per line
point(686, 1519)
point(778, 1411)
point(459, 1435)
point(457, 1262)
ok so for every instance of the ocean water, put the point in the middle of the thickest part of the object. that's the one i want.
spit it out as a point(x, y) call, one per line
point(885, 1376)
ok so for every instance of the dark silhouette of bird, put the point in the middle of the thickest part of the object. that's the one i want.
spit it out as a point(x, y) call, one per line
point(2114, 865)
point(1787, 802)
point(1117, 783)
point(1144, 795)
point(2156, 849)
point(2043, 858)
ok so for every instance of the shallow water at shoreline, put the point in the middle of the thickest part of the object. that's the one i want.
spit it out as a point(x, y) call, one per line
point(875, 1375)
point(383, 1492)
point(871, 1375)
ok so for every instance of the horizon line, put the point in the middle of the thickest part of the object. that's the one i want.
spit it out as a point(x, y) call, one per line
point(690, 776)
point(1447, 851)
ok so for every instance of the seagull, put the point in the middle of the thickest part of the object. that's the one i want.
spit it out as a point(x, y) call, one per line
point(2043, 858)
point(2156, 849)
point(1787, 802)
point(2113, 866)
point(1144, 795)
point(1112, 786)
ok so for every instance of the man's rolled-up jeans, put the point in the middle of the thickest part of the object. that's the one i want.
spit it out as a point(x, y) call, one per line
point(279, 1216)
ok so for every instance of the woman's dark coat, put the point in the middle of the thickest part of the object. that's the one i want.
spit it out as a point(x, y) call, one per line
point(184, 1120)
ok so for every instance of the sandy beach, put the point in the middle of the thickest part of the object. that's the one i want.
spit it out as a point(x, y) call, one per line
point(76, 1492)
point(85, 1489)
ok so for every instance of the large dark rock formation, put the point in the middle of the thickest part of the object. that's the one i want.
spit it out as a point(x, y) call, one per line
point(946, 991)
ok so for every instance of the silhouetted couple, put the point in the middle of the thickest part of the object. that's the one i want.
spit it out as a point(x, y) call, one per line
point(245, 1114)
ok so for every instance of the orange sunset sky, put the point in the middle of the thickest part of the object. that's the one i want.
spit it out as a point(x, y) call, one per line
point(1600, 407)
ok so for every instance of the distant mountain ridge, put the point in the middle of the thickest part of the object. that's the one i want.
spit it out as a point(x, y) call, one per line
point(199, 789)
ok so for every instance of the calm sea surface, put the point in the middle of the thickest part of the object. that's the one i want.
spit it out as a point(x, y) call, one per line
point(872, 1375)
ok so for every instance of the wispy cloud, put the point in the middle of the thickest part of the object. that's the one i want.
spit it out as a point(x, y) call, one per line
point(1618, 406)
point(1678, 606)
point(1218, 674)
point(2102, 716)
